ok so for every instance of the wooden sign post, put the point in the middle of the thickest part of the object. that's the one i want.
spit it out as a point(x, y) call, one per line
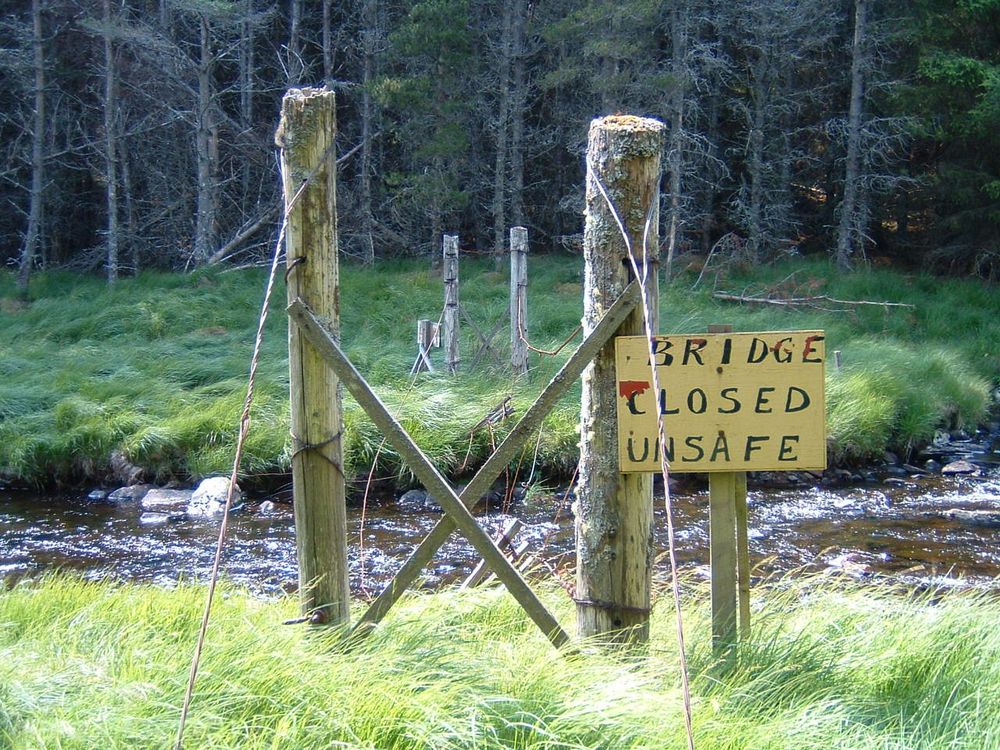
point(731, 403)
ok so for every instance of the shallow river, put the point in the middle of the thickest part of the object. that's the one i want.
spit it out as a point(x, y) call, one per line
point(896, 529)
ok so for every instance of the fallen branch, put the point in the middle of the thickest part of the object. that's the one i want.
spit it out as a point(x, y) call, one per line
point(791, 301)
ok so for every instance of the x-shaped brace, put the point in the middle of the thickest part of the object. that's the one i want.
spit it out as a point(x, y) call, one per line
point(455, 506)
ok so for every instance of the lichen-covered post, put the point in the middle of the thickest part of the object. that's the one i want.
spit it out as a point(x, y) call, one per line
point(450, 255)
point(614, 511)
point(306, 136)
point(519, 299)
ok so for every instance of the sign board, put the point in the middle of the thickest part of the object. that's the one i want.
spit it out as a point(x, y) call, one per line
point(730, 401)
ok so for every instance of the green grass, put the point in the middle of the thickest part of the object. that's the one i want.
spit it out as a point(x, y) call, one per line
point(830, 666)
point(155, 367)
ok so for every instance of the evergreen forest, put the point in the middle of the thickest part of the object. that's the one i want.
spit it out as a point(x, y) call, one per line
point(139, 134)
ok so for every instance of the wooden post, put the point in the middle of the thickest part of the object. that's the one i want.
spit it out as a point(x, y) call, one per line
point(451, 302)
point(519, 299)
point(306, 138)
point(729, 552)
point(427, 338)
point(614, 511)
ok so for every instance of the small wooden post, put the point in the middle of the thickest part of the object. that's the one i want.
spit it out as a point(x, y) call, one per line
point(519, 300)
point(427, 338)
point(729, 553)
point(451, 302)
point(306, 138)
point(614, 511)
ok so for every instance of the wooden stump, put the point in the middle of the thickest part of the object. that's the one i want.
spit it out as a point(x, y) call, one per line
point(306, 136)
point(614, 511)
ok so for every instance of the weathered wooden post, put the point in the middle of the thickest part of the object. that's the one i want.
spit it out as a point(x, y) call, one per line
point(451, 310)
point(306, 138)
point(519, 299)
point(614, 511)
point(427, 338)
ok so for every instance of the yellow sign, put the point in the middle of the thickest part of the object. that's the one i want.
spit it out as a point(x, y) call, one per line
point(730, 401)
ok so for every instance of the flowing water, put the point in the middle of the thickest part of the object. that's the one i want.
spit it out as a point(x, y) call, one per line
point(898, 528)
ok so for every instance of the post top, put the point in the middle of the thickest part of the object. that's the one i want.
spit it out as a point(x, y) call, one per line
point(629, 123)
point(307, 92)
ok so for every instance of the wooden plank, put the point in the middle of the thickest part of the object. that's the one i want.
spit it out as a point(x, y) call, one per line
point(450, 253)
point(504, 454)
point(306, 137)
point(743, 553)
point(425, 471)
point(502, 541)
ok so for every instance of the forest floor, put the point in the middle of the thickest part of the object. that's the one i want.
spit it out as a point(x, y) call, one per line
point(154, 368)
point(830, 665)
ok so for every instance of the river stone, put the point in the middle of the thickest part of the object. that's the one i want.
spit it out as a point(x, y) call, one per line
point(210, 497)
point(131, 494)
point(152, 518)
point(987, 518)
point(959, 467)
point(97, 496)
point(932, 466)
point(165, 501)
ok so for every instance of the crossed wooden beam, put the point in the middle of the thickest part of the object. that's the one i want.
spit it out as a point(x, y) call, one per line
point(457, 507)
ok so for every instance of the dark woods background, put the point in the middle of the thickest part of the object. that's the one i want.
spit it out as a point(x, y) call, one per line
point(139, 133)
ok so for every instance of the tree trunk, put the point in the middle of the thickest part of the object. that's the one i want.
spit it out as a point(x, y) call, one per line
point(110, 146)
point(756, 167)
point(247, 76)
point(32, 238)
point(675, 158)
point(502, 132)
point(519, 103)
point(294, 43)
point(328, 40)
point(847, 237)
point(708, 221)
point(614, 511)
point(370, 37)
point(204, 237)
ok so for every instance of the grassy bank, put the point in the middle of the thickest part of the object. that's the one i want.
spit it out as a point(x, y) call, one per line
point(155, 367)
point(831, 666)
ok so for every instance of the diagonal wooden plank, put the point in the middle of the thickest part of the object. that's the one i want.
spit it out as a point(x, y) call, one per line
point(505, 453)
point(327, 347)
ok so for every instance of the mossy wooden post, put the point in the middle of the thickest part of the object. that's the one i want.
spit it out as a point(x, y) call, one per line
point(729, 553)
point(451, 310)
point(306, 136)
point(614, 511)
point(519, 299)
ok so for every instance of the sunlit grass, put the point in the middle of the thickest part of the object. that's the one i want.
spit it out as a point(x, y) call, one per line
point(830, 664)
point(155, 367)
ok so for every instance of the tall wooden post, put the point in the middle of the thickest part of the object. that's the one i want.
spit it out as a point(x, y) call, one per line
point(450, 254)
point(614, 511)
point(519, 299)
point(306, 137)
point(728, 552)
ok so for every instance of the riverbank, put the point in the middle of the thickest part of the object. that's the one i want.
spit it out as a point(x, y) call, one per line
point(98, 382)
point(830, 665)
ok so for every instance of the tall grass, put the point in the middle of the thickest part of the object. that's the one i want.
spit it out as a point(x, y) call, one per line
point(155, 366)
point(829, 666)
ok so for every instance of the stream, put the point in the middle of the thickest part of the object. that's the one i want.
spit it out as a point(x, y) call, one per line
point(896, 527)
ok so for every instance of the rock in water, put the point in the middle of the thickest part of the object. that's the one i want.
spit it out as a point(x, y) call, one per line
point(166, 501)
point(132, 493)
point(210, 497)
point(959, 467)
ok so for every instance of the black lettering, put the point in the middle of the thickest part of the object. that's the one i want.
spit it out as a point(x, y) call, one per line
point(736, 404)
point(762, 400)
point(727, 351)
point(758, 351)
point(694, 406)
point(660, 347)
point(669, 452)
point(692, 348)
point(663, 404)
point(752, 446)
point(693, 441)
point(630, 447)
point(632, 408)
point(782, 354)
point(786, 449)
point(721, 447)
point(803, 400)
